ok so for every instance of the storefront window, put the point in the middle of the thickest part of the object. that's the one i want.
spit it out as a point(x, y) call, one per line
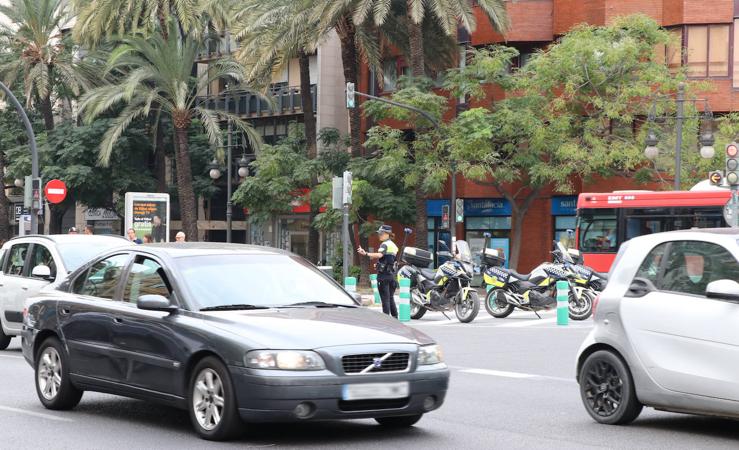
point(564, 230)
point(487, 216)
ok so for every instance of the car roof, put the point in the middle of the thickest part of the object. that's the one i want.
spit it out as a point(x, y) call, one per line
point(184, 249)
point(72, 238)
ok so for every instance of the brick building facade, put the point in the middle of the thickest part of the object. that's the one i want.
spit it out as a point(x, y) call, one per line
point(709, 37)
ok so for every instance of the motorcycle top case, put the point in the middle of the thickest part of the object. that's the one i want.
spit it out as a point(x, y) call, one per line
point(493, 257)
point(417, 257)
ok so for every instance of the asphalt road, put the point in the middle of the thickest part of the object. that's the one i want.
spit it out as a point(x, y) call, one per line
point(512, 387)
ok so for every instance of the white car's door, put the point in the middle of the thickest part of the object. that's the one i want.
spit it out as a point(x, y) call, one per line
point(687, 342)
point(14, 278)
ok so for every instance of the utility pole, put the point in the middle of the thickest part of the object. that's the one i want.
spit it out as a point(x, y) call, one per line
point(229, 161)
point(350, 103)
point(35, 180)
point(680, 103)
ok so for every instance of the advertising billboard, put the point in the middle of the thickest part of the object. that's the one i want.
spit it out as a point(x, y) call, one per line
point(148, 214)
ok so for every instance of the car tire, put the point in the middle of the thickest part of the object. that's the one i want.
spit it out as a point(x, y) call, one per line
point(212, 401)
point(53, 385)
point(4, 339)
point(399, 421)
point(607, 389)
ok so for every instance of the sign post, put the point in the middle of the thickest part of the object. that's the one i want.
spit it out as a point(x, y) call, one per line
point(346, 201)
point(55, 191)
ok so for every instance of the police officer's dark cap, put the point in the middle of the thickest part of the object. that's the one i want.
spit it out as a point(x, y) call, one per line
point(385, 229)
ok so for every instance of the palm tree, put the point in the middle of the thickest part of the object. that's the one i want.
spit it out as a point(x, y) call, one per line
point(37, 52)
point(155, 73)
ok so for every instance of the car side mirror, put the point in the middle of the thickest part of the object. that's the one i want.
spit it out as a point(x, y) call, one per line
point(723, 290)
point(640, 287)
point(41, 271)
point(153, 302)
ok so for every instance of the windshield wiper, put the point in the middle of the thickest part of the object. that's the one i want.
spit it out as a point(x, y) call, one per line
point(317, 305)
point(234, 307)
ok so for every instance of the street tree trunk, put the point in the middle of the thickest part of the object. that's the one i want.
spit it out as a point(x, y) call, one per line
point(185, 192)
point(346, 31)
point(519, 214)
point(47, 112)
point(5, 233)
point(309, 122)
point(160, 160)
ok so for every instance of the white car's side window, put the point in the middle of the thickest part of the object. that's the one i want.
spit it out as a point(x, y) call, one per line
point(16, 259)
point(691, 265)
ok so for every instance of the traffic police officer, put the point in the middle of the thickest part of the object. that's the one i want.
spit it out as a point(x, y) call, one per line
point(385, 256)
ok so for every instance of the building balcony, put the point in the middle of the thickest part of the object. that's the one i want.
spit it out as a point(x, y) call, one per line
point(286, 100)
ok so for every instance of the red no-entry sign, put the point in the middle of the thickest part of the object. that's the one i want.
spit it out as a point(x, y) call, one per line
point(55, 191)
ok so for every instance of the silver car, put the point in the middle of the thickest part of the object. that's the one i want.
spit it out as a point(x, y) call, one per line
point(665, 332)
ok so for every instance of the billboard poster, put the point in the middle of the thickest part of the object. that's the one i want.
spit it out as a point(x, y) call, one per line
point(148, 214)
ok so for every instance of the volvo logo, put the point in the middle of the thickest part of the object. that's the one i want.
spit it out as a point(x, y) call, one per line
point(377, 363)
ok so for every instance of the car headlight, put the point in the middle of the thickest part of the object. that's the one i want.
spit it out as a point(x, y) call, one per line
point(284, 360)
point(430, 354)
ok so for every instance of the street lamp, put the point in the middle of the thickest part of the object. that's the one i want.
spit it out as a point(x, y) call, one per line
point(19, 182)
point(706, 139)
point(243, 166)
point(214, 170)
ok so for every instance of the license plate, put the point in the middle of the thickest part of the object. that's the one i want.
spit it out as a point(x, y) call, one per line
point(367, 391)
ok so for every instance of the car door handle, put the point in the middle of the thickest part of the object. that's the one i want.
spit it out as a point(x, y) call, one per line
point(65, 311)
point(117, 320)
point(25, 288)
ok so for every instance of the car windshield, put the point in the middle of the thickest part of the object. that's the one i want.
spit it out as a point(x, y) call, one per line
point(257, 280)
point(75, 254)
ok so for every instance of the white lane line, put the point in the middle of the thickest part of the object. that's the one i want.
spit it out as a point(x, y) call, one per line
point(506, 374)
point(11, 356)
point(453, 321)
point(34, 414)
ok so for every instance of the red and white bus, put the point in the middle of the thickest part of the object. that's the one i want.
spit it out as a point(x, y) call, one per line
point(605, 220)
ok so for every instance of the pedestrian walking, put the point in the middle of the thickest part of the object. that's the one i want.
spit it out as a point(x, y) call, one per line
point(148, 239)
point(72, 230)
point(180, 236)
point(89, 230)
point(385, 256)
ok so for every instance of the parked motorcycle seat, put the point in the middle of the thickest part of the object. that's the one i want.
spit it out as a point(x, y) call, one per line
point(429, 274)
point(520, 276)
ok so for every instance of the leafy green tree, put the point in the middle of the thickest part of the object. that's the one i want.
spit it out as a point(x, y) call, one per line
point(567, 114)
point(156, 72)
point(35, 50)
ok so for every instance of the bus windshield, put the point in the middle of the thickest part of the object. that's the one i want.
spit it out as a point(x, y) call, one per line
point(597, 231)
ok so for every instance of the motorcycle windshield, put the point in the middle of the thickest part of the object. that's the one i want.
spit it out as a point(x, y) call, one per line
point(565, 255)
point(464, 253)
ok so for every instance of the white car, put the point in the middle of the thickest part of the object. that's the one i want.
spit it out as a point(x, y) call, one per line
point(29, 263)
point(666, 329)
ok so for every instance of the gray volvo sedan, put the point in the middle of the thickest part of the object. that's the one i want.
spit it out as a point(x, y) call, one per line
point(232, 333)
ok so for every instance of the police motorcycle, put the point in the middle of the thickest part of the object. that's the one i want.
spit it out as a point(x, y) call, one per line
point(586, 276)
point(508, 289)
point(445, 289)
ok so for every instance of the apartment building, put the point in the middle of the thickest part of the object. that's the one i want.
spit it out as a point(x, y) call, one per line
point(708, 32)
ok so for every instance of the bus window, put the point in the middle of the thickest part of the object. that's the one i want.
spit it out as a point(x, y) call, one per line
point(598, 231)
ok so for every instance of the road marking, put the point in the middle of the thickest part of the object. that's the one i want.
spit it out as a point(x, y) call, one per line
point(34, 414)
point(453, 321)
point(11, 356)
point(506, 374)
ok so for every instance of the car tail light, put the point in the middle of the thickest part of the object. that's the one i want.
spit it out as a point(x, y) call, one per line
point(595, 303)
point(25, 313)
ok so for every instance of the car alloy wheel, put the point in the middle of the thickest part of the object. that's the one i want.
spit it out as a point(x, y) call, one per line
point(607, 389)
point(50, 373)
point(208, 399)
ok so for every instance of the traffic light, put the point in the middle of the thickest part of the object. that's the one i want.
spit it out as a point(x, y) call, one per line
point(350, 97)
point(732, 164)
point(444, 216)
point(459, 209)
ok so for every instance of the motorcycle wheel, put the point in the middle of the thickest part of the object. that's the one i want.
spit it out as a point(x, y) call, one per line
point(417, 311)
point(584, 308)
point(467, 310)
point(494, 307)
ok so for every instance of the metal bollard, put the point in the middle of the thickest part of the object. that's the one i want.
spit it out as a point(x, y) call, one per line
point(375, 291)
point(404, 306)
point(350, 284)
point(563, 303)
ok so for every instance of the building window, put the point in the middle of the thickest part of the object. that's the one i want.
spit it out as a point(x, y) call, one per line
point(707, 49)
point(389, 75)
point(674, 50)
point(735, 81)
